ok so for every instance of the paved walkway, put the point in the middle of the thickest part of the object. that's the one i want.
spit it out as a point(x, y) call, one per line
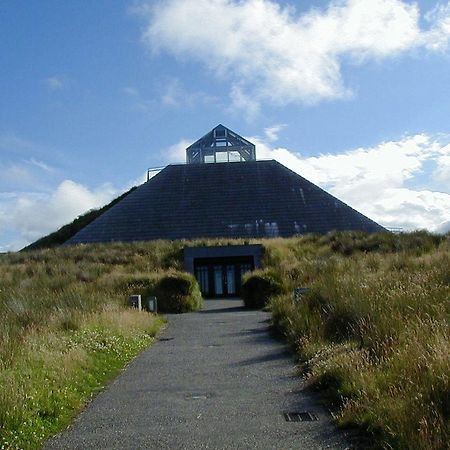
point(216, 379)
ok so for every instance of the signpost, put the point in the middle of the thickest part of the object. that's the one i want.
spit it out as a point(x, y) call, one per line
point(135, 301)
point(298, 293)
point(152, 304)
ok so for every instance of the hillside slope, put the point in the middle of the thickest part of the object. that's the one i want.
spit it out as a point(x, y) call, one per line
point(372, 332)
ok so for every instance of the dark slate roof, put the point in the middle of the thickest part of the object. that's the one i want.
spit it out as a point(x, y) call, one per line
point(243, 199)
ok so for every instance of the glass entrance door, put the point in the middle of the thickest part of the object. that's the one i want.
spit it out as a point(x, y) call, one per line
point(202, 276)
point(230, 281)
point(218, 281)
point(221, 277)
point(224, 280)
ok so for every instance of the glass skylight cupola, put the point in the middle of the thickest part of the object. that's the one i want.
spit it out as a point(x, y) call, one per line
point(220, 145)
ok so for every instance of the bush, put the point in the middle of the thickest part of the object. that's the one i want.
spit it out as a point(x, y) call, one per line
point(259, 286)
point(177, 292)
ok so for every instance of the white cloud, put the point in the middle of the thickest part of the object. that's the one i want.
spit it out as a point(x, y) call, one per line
point(271, 53)
point(377, 181)
point(13, 246)
point(442, 173)
point(15, 143)
point(16, 174)
point(32, 215)
point(171, 94)
point(177, 152)
point(25, 174)
point(40, 164)
point(54, 83)
point(273, 132)
point(407, 208)
point(130, 90)
point(443, 227)
point(175, 95)
point(241, 101)
point(437, 37)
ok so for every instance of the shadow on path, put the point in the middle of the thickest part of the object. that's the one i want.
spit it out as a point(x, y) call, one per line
point(215, 379)
point(223, 310)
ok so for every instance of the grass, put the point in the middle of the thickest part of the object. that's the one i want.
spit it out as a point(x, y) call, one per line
point(65, 328)
point(57, 371)
point(372, 333)
point(65, 331)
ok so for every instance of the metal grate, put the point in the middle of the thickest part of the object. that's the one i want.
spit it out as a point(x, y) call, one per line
point(197, 396)
point(300, 417)
point(165, 339)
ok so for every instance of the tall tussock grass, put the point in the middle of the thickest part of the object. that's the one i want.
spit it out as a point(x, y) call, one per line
point(65, 329)
point(372, 332)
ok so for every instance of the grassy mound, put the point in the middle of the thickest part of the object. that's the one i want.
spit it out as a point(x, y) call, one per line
point(373, 330)
point(65, 330)
point(259, 286)
point(178, 292)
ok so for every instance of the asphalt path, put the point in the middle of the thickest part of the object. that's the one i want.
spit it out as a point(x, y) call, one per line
point(215, 379)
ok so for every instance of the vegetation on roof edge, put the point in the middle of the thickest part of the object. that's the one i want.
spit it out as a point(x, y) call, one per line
point(67, 231)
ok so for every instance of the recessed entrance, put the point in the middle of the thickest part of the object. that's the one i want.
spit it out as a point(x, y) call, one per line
point(221, 277)
point(219, 269)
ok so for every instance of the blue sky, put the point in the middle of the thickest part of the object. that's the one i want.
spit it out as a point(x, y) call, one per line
point(354, 95)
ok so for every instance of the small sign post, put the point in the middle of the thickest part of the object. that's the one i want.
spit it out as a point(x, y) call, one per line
point(135, 302)
point(298, 293)
point(152, 304)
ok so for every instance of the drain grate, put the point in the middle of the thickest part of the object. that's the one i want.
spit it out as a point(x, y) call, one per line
point(300, 417)
point(196, 396)
point(165, 339)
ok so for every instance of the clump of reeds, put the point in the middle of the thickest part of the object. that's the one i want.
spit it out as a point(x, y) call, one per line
point(65, 329)
point(373, 330)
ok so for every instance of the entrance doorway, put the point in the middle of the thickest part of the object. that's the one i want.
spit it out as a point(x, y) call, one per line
point(221, 277)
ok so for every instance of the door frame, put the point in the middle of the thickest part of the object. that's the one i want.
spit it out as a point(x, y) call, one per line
point(224, 262)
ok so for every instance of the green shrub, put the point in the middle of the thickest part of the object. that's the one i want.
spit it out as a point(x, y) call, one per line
point(259, 286)
point(177, 292)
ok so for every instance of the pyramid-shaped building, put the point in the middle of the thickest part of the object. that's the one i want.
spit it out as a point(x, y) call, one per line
point(223, 192)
